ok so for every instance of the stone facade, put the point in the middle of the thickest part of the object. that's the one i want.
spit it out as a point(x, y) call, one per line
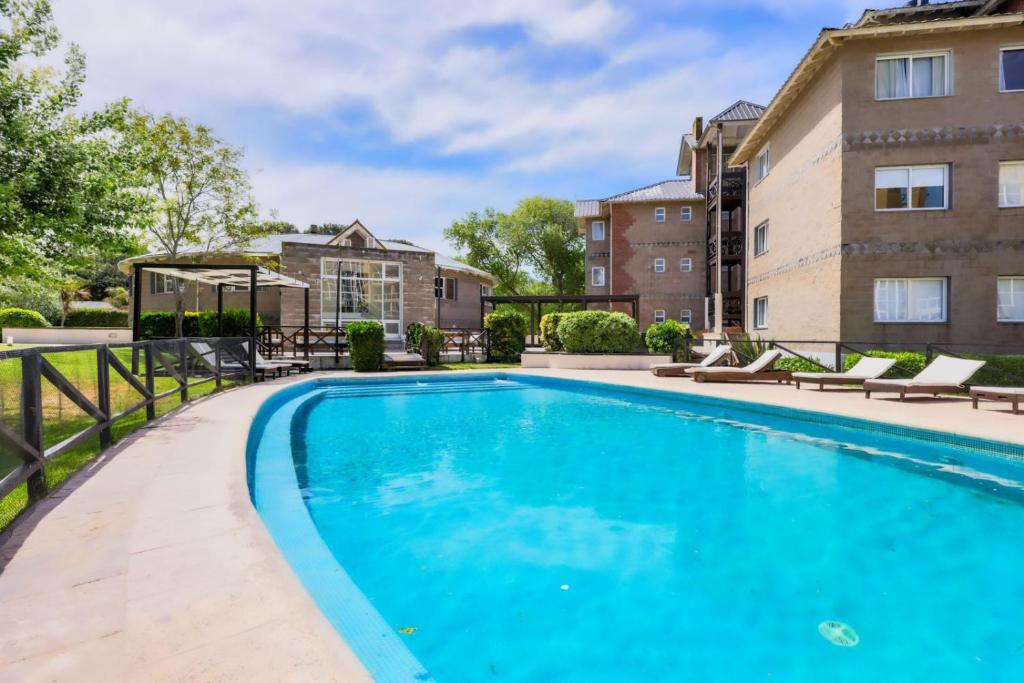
point(827, 241)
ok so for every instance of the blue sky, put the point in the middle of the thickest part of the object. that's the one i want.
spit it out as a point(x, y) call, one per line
point(408, 114)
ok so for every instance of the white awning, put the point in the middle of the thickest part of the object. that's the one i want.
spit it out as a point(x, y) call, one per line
point(237, 276)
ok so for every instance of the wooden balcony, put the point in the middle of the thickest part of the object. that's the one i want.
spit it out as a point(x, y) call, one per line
point(732, 186)
point(733, 250)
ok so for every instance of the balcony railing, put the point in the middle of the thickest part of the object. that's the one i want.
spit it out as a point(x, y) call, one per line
point(733, 246)
point(732, 186)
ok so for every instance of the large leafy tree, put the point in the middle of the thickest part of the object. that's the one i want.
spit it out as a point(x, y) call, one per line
point(63, 194)
point(534, 249)
point(198, 198)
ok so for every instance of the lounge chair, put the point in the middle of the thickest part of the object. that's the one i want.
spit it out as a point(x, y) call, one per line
point(716, 357)
point(292, 363)
point(261, 369)
point(760, 370)
point(1015, 395)
point(943, 375)
point(866, 368)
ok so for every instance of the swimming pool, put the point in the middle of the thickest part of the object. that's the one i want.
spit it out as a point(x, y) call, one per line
point(530, 529)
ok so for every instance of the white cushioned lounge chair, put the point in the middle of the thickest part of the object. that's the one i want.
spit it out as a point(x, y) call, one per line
point(866, 368)
point(943, 375)
point(717, 357)
point(761, 369)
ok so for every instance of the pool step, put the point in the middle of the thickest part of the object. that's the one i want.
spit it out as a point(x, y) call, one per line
point(412, 389)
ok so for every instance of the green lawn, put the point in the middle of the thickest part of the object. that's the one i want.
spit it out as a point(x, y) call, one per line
point(62, 418)
point(475, 366)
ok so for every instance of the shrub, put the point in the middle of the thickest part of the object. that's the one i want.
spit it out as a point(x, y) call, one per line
point(1000, 371)
point(431, 343)
point(598, 332)
point(161, 324)
point(794, 364)
point(21, 317)
point(908, 363)
point(366, 345)
point(235, 323)
point(549, 331)
point(413, 335)
point(666, 337)
point(506, 335)
point(747, 348)
point(96, 318)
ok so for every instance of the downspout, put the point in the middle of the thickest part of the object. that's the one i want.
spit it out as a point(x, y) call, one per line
point(718, 234)
point(611, 249)
point(437, 299)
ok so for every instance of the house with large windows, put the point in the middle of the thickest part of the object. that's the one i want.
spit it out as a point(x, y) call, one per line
point(650, 242)
point(352, 276)
point(886, 182)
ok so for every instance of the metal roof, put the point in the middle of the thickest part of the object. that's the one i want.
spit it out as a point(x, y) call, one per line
point(741, 110)
point(222, 276)
point(674, 190)
point(588, 208)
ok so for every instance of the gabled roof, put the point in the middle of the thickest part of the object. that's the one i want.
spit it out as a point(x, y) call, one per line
point(912, 12)
point(828, 42)
point(356, 226)
point(675, 190)
point(741, 110)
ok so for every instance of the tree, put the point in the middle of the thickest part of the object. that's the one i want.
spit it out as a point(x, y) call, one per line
point(71, 289)
point(536, 248)
point(326, 229)
point(277, 227)
point(198, 198)
point(62, 174)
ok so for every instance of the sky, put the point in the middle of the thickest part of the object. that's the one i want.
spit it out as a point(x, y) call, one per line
point(407, 115)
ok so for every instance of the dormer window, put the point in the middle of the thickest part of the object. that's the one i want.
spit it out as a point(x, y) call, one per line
point(900, 77)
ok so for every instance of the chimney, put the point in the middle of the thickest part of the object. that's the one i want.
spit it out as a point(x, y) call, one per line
point(698, 127)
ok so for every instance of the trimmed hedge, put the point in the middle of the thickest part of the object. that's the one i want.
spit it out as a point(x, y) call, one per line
point(549, 331)
point(506, 335)
point(413, 335)
point(431, 342)
point(96, 318)
point(236, 323)
point(161, 324)
point(794, 364)
point(598, 332)
point(998, 370)
point(666, 337)
point(908, 363)
point(21, 317)
point(366, 345)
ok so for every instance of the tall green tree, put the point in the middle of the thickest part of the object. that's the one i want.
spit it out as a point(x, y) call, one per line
point(535, 248)
point(198, 198)
point(62, 189)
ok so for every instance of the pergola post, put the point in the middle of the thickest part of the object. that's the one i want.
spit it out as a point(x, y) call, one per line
point(305, 322)
point(136, 302)
point(220, 309)
point(252, 320)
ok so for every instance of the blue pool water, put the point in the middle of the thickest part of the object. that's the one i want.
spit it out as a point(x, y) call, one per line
point(542, 530)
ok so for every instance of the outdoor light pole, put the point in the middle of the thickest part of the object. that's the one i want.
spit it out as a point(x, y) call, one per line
point(252, 320)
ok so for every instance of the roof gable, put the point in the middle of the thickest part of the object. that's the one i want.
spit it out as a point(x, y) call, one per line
point(356, 228)
point(741, 110)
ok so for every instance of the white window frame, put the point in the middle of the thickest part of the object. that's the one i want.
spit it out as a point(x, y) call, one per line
point(686, 213)
point(593, 276)
point(1007, 48)
point(164, 284)
point(485, 290)
point(1013, 278)
point(760, 313)
point(686, 265)
point(659, 315)
point(947, 83)
point(765, 154)
point(659, 214)
point(593, 231)
point(660, 266)
point(1000, 185)
point(327, 312)
point(763, 243)
point(686, 316)
point(906, 321)
point(910, 187)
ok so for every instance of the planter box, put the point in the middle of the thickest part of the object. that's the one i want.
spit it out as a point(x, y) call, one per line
point(593, 361)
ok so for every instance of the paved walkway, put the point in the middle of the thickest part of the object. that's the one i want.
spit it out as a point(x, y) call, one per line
point(153, 566)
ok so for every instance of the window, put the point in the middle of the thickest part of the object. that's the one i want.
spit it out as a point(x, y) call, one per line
point(762, 165)
point(686, 316)
point(761, 239)
point(908, 188)
point(597, 231)
point(910, 300)
point(361, 290)
point(900, 77)
point(1011, 69)
point(761, 313)
point(659, 265)
point(597, 276)
point(446, 288)
point(659, 316)
point(685, 265)
point(686, 213)
point(485, 290)
point(659, 214)
point(1010, 299)
point(161, 284)
point(1011, 184)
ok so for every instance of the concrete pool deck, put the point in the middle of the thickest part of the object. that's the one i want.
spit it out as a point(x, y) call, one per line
point(151, 564)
